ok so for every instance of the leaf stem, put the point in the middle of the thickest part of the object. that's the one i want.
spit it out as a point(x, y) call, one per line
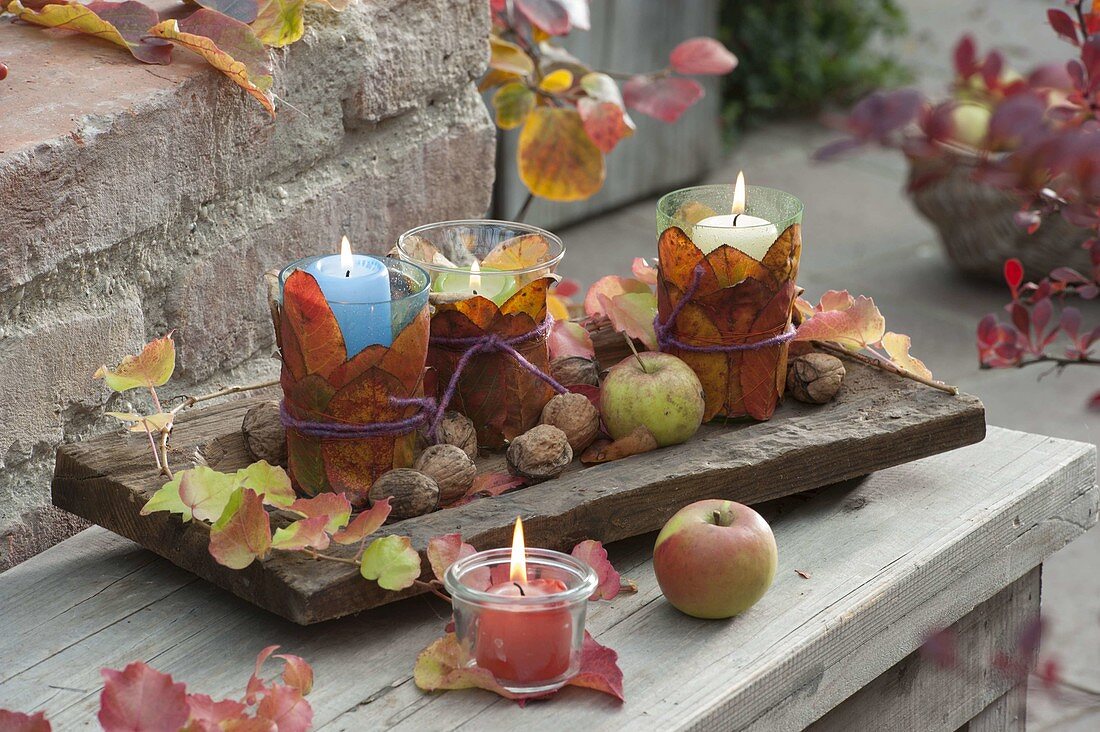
point(343, 560)
point(164, 451)
point(432, 588)
point(153, 444)
point(630, 342)
point(883, 365)
point(522, 213)
point(191, 401)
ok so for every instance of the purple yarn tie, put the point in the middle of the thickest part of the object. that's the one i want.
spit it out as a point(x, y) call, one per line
point(338, 431)
point(490, 343)
point(666, 339)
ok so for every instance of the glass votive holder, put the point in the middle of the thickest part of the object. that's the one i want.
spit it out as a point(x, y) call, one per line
point(489, 279)
point(528, 636)
point(773, 211)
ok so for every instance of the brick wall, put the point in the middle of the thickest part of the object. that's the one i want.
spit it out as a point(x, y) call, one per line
point(137, 199)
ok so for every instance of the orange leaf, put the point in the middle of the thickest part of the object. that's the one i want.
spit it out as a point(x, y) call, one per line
point(638, 441)
point(313, 324)
point(333, 507)
point(365, 524)
point(298, 535)
point(557, 159)
point(228, 45)
point(519, 252)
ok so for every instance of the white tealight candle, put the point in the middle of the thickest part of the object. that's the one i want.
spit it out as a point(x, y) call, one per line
point(750, 234)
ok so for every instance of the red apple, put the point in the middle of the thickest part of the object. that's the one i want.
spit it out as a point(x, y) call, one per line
point(715, 558)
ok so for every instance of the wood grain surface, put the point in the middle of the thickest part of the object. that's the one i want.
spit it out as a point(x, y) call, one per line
point(877, 421)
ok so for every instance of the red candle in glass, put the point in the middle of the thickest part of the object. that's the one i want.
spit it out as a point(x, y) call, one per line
point(528, 644)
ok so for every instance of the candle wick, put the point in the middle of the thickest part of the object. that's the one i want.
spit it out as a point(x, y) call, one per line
point(520, 588)
point(348, 273)
point(735, 218)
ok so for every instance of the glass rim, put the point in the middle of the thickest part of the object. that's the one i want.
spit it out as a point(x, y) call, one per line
point(452, 579)
point(525, 228)
point(799, 207)
point(405, 267)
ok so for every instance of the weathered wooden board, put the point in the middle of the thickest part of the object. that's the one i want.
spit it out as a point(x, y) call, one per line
point(916, 547)
point(877, 421)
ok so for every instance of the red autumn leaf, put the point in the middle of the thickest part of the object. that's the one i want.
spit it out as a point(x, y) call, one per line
point(256, 685)
point(20, 722)
point(297, 673)
point(204, 709)
point(589, 391)
point(141, 698)
point(1014, 275)
point(548, 15)
point(365, 524)
point(702, 56)
point(1063, 25)
point(664, 98)
point(335, 507)
point(599, 669)
point(287, 708)
point(443, 551)
point(595, 556)
point(570, 339)
point(605, 123)
point(441, 666)
point(243, 533)
point(567, 288)
point(307, 315)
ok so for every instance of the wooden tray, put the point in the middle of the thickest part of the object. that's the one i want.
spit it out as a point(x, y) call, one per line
point(877, 421)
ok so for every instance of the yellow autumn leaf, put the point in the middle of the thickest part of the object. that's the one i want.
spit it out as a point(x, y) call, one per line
point(280, 22)
point(152, 367)
point(556, 158)
point(557, 81)
point(897, 346)
point(508, 57)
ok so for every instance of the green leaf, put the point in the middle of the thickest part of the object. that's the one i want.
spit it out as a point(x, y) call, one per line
point(168, 499)
point(279, 22)
point(243, 532)
point(270, 481)
point(391, 561)
point(152, 367)
point(206, 492)
point(513, 102)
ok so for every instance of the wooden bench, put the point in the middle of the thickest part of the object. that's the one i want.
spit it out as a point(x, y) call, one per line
point(956, 539)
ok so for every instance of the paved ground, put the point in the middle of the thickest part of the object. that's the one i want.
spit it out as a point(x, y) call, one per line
point(861, 233)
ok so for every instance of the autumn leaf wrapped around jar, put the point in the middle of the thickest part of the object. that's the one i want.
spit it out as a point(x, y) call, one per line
point(489, 328)
point(349, 420)
point(726, 290)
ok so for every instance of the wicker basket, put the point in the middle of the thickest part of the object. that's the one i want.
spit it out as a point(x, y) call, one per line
point(975, 223)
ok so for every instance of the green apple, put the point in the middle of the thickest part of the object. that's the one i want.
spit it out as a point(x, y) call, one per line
point(656, 390)
point(715, 558)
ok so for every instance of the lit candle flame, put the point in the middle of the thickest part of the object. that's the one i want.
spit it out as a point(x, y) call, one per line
point(475, 285)
point(518, 571)
point(739, 194)
point(346, 262)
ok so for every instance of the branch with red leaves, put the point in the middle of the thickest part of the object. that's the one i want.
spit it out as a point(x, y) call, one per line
point(141, 698)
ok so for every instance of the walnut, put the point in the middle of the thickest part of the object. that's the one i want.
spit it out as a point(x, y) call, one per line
point(458, 430)
point(575, 370)
point(411, 493)
point(264, 434)
point(815, 377)
point(452, 470)
point(540, 453)
point(576, 416)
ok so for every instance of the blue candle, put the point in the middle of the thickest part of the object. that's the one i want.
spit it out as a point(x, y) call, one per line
point(357, 288)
